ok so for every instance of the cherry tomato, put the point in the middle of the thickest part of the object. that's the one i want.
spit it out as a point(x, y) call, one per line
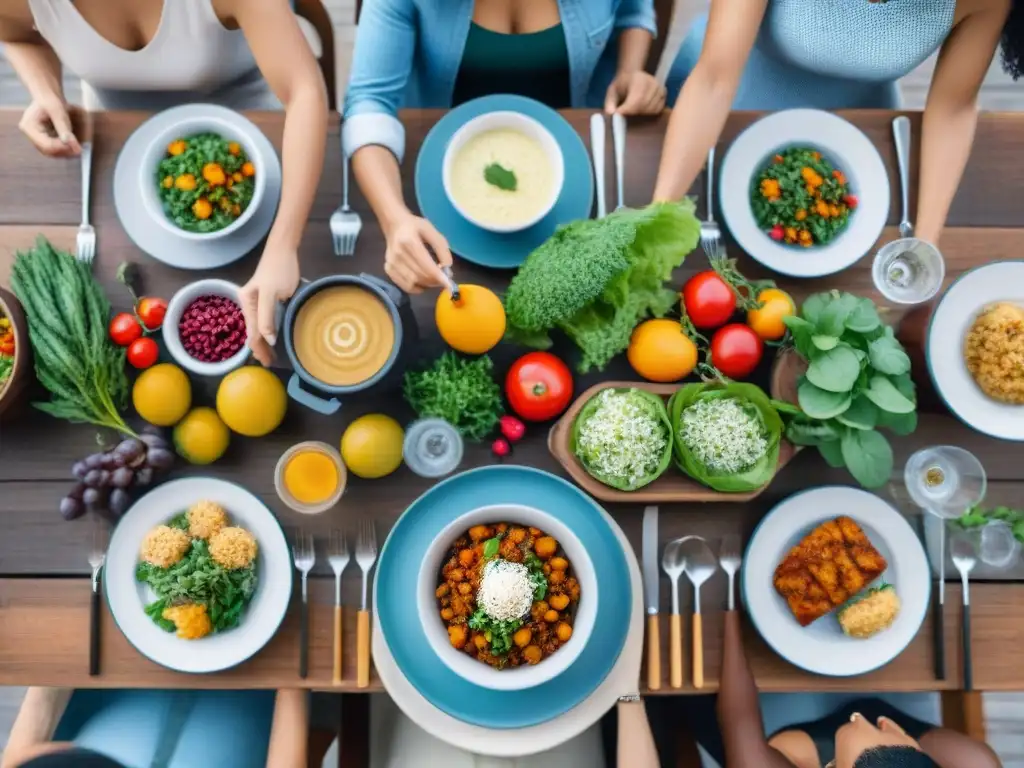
point(143, 352)
point(767, 321)
point(511, 428)
point(124, 329)
point(736, 350)
point(501, 448)
point(538, 386)
point(708, 300)
point(151, 311)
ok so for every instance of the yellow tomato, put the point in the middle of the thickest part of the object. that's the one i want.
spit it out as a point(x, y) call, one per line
point(767, 322)
point(475, 323)
point(660, 350)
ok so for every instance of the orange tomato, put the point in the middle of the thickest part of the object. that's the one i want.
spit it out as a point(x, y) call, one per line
point(767, 322)
point(472, 325)
point(661, 351)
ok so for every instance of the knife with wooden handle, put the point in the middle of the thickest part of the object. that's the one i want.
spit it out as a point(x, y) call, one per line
point(652, 596)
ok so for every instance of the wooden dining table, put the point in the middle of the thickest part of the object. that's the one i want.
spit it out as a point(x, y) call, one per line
point(44, 573)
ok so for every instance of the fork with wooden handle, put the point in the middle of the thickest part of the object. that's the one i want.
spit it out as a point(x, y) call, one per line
point(366, 555)
point(338, 556)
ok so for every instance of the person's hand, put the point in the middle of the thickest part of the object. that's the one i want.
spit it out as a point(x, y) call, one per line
point(47, 125)
point(407, 260)
point(635, 93)
point(275, 280)
point(858, 736)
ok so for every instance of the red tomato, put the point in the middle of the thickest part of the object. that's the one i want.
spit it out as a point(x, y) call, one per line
point(124, 329)
point(736, 350)
point(708, 300)
point(151, 311)
point(143, 352)
point(538, 386)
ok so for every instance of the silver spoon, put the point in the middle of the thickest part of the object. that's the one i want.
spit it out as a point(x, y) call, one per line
point(700, 565)
point(673, 563)
point(730, 558)
point(964, 558)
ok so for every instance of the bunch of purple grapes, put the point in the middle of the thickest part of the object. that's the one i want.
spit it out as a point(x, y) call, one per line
point(105, 480)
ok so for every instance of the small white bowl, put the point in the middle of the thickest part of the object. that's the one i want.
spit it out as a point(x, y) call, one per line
point(282, 490)
point(157, 151)
point(527, 675)
point(513, 121)
point(172, 337)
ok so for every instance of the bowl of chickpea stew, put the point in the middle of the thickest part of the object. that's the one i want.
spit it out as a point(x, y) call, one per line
point(507, 597)
point(202, 178)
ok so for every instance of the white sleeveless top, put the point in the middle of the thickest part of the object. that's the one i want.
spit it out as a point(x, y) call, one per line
point(192, 57)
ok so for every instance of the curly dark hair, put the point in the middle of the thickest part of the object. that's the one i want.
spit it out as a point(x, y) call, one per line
point(1013, 41)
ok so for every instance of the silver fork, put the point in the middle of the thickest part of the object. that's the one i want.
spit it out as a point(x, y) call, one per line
point(338, 556)
point(730, 559)
point(710, 234)
point(305, 557)
point(86, 239)
point(366, 555)
point(97, 555)
point(345, 223)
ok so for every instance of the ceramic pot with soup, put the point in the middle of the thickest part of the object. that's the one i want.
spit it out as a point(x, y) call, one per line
point(345, 334)
point(503, 171)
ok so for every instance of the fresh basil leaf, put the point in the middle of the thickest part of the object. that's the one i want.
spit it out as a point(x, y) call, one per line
point(834, 371)
point(832, 453)
point(887, 356)
point(500, 177)
point(898, 423)
point(819, 403)
point(864, 317)
point(824, 343)
point(862, 414)
point(491, 548)
point(884, 394)
point(868, 456)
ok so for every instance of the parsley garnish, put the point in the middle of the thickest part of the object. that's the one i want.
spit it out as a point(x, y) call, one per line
point(502, 178)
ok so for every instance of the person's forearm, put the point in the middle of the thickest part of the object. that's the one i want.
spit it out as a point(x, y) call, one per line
point(41, 711)
point(380, 180)
point(696, 122)
point(302, 159)
point(634, 46)
point(38, 68)
point(289, 732)
point(947, 133)
point(635, 741)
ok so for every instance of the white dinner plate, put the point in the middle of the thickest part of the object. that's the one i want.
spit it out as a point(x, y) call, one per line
point(822, 647)
point(154, 239)
point(840, 142)
point(127, 597)
point(952, 318)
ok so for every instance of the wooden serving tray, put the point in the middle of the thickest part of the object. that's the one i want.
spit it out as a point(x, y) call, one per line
point(672, 486)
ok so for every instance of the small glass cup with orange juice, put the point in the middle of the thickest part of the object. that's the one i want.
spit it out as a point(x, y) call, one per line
point(310, 477)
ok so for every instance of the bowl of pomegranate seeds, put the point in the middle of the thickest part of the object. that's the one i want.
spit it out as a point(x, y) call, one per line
point(204, 329)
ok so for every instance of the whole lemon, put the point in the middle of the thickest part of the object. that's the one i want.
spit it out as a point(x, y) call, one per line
point(162, 394)
point(474, 323)
point(371, 447)
point(251, 401)
point(201, 437)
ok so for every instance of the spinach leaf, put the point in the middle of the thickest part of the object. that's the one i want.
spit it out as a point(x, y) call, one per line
point(819, 403)
point(898, 423)
point(824, 343)
point(864, 317)
point(500, 177)
point(884, 394)
point(862, 414)
point(835, 370)
point(887, 356)
point(808, 432)
point(868, 456)
point(832, 453)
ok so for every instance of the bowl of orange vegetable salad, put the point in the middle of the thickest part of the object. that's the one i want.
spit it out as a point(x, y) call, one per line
point(202, 179)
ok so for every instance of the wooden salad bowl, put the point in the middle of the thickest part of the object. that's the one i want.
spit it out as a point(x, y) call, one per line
point(14, 393)
point(673, 485)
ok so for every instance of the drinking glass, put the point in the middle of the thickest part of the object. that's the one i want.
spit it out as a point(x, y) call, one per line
point(908, 271)
point(945, 480)
point(997, 546)
point(432, 448)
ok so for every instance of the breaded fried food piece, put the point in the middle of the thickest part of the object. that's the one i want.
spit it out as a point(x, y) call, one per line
point(826, 568)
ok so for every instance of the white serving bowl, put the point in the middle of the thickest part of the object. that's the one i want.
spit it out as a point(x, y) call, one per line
point(512, 121)
point(525, 676)
point(183, 129)
point(172, 338)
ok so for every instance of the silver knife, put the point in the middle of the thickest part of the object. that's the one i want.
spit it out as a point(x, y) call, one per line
point(652, 596)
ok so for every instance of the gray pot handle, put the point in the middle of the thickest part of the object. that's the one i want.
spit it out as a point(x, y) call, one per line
point(320, 405)
point(392, 290)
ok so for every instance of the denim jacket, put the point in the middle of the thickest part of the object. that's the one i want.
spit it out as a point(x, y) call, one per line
point(408, 53)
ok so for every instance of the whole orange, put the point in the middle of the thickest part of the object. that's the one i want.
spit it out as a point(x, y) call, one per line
point(767, 322)
point(661, 351)
point(474, 323)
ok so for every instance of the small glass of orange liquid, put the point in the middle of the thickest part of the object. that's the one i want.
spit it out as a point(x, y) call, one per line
point(310, 477)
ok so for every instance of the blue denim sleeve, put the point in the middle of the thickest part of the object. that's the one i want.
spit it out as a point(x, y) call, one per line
point(381, 65)
point(636, 13)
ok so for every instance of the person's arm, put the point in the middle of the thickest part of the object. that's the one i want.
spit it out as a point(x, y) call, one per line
point(739, 711)
point(951, 112)
point(704, 102)
point(635, 740)
point(40, 713)
point(289, 731)
point(634, 91)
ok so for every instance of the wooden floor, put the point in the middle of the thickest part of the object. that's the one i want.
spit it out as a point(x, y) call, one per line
point(1004, 712)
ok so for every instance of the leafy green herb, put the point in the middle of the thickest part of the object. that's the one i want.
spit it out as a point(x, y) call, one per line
point(75, 360)
point(491, 548)
point(594, 280)
point(497, 633)
point(502, 178)
point(979, 517)
point(857, 382)
point(460, 391)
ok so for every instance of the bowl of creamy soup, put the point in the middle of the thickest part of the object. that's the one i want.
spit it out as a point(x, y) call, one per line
point(503, 171)
point(345, 334)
